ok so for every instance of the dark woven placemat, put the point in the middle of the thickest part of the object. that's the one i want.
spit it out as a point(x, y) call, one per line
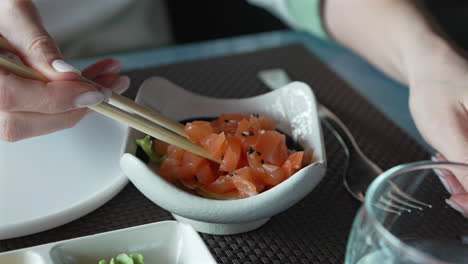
point(313, 231)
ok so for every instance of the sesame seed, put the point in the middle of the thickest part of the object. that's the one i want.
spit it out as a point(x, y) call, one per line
point(251, 150)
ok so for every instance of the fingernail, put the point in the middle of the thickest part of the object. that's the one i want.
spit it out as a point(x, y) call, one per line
point(435, 157)
point(455, 206)
point(89, 99)
point(115, 67)
point(62, 66)
point(444, 181)
point(106, 92)
point(121, 84)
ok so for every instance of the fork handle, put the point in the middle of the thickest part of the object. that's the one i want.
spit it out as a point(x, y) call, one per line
point(339, 127)
point(343, 134)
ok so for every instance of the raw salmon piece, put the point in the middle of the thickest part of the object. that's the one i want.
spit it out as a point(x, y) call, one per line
point(296, 160)
point(272, 146)
point(254, 123)
point(266, 123)
point(273, 175)
point(160, 147)
point(228, 123)
point(244, 182)
point(196, 130)
point(232, 155)
point(205, 174)
point(174, 152)
point(287, 168)
point(293, 163)
point(223, 184)
point(254, 158)
point(192, 162)
point(248, 136)
point(242, 127)
point(170, 169)
point(215, 144)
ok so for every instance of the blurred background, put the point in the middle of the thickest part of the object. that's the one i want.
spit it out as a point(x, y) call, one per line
point(88, 28)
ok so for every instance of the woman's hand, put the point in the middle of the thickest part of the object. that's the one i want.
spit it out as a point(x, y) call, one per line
point(31, 108)
point(400, 38)
point(439, 104)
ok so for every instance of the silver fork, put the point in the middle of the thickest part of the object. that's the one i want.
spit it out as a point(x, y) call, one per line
point(359, 170)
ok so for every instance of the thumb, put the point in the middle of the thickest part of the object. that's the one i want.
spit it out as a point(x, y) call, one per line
point(20, 24)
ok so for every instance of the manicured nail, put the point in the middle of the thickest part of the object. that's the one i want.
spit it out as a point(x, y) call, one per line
point(62, 66)
point(115, 67)
point(106, 92)
point(89, 99)
point(443, 181)
point(121, 84)
point(455, 206)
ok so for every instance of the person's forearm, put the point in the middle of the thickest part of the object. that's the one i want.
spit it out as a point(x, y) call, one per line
point(391, 34)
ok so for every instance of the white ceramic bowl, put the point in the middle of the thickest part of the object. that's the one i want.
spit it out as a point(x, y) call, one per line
point(294, 109)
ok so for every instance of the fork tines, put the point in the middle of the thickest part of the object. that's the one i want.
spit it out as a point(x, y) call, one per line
point(397, 201)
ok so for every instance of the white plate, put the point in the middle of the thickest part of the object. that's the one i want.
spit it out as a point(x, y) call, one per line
point(51, 180)
point(167, 242)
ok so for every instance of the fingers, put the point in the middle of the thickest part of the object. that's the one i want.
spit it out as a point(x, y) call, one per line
point(31, 108)
point(459, 202)
point(105, 73)
point(459, 198)
point(103, 67)
point(23, 95)
point(118, 85)
point(448, 179)
point(19, 94)
point(34, 44)
point(17, 126)
point(446, 130)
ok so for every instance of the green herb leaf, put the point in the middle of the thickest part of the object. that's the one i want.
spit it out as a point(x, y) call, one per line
point(103, 261)
point(147, 145)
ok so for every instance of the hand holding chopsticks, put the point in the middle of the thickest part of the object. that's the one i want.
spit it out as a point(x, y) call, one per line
point(142, 118)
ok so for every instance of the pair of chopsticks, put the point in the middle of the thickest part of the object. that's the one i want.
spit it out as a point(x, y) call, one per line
point(142, 118)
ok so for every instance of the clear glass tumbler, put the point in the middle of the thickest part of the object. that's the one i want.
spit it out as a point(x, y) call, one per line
point(406, 219)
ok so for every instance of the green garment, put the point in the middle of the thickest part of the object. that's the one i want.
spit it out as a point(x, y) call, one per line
point(308, 16)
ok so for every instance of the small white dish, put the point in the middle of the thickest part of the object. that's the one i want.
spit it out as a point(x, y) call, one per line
point(294, 109)
point(167, 242)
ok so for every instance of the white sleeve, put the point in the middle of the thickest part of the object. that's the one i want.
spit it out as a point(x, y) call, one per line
point(64, 19)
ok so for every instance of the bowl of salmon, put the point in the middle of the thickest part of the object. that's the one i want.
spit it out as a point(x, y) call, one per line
point(269, 147)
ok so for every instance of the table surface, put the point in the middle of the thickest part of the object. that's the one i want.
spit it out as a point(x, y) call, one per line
point(387, 95)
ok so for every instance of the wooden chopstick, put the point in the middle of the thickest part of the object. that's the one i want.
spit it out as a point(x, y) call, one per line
point(171, 132)
point(145, 112)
